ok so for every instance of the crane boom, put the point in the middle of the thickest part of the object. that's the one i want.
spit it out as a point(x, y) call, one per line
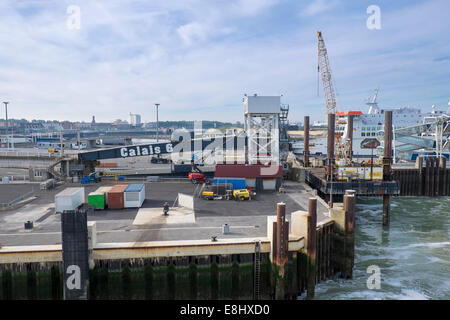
point(325, 71)
point(341, 151)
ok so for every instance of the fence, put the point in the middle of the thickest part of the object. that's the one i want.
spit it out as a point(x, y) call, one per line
point(10, 205)
point(23, 177)
point(33, 154)
point(148, 178)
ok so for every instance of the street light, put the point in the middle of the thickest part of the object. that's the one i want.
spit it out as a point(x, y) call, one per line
point(157, 125)
point(7, 138)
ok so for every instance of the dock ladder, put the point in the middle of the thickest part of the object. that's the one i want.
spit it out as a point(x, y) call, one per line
point(257, 271)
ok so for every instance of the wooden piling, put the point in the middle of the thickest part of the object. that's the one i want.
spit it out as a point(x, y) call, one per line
point(445, 181)
point(282, 232)
point(330, 146)
point(438, 177)
point(350, 136)
point(349, 242)
point(280, 251)
point(431, 178)
point(427, 177)
point(311, 247)
point(386, 209)
point(306, 142)
point(330, 248)
point(318, 254)
point(387, 160)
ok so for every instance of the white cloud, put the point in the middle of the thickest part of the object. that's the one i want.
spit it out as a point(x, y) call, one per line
point(191, 32)
point(252, 7)
point(319, 6)
point(198, 58)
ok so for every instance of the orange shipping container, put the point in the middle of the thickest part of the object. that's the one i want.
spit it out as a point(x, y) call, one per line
point(116, 197)
point(108, 165)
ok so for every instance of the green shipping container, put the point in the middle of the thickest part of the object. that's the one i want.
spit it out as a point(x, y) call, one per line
point(97, 199)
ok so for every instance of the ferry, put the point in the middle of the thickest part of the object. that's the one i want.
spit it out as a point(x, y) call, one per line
point(371, 125)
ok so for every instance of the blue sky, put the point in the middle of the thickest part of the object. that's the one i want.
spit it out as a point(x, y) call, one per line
point(198, 58)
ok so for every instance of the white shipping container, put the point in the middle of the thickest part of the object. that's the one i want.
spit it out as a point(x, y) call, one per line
point(69, 199)
point(134, 195)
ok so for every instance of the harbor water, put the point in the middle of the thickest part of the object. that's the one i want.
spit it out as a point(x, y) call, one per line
point(412, 254)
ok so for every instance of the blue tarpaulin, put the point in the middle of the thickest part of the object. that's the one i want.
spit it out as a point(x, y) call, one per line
point(238, 183)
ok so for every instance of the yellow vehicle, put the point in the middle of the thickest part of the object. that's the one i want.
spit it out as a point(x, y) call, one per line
point(52, 150)
point(241, 194)
point(209, 195)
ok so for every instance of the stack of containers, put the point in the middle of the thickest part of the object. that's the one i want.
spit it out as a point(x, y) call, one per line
point(116, 197)
point(69, 199)
point(134, 195)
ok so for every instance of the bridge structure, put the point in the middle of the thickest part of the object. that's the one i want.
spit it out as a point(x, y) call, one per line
point(431, 138)
point(42, 164)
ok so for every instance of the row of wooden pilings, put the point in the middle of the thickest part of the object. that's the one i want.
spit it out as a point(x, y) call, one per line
point(430, 180)
point(329, 247)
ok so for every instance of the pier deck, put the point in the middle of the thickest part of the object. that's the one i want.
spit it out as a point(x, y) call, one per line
point(246, 219)
point(315, 178)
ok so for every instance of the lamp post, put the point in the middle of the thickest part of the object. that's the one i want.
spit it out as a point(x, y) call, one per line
point(6, 109)
point(157, 124)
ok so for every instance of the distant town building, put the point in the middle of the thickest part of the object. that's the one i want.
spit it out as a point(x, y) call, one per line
point(135, 120)
point(319, 124)
point(120, 124)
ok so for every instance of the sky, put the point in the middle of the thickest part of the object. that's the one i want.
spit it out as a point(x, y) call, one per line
point(197, 59)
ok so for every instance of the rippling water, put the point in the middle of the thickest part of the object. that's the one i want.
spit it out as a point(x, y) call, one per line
point(413, 254)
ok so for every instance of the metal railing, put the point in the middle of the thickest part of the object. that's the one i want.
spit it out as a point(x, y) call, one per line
point(28, 154)
point(11, 204)
point(23, 177)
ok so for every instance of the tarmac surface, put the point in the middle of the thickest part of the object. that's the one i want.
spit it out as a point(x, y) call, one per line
point(245, 218)
point(12, 191)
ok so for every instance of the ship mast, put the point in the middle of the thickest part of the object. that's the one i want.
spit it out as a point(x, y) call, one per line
point(373, 104)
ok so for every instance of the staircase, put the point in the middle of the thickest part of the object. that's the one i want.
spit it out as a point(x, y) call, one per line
point(51, 170)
